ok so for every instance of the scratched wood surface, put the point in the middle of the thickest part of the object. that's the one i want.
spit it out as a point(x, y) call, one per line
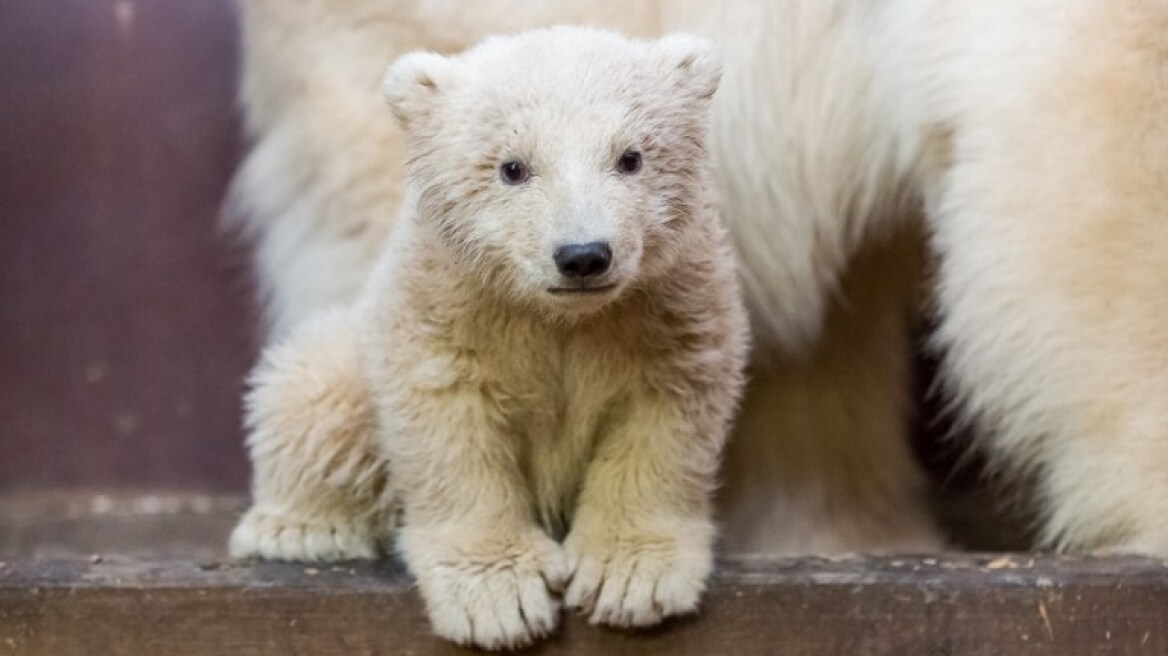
point(970, 605)
point(109, 573)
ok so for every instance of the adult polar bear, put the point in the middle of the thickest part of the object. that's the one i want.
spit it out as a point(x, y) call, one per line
point(1031, 136)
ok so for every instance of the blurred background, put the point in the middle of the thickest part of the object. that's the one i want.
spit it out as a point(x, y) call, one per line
point(125, 312)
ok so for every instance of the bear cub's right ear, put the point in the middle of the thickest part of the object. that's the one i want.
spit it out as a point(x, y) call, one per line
point(412, 84)
point(693, 61)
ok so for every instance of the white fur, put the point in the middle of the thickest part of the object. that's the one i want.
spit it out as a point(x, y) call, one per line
point(1028, 135)
point(1053, 237)
point(320, 484)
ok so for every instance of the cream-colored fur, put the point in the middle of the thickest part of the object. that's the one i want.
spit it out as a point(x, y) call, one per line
point(320, 482)
point(1028, 136)
point(512, 416)
point(1053, 237)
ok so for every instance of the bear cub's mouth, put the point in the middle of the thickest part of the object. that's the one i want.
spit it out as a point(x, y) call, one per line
point(597, 289)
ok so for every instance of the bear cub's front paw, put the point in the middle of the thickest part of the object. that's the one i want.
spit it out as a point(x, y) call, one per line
point(280, 536)
point(492, 592)
point(635, 579)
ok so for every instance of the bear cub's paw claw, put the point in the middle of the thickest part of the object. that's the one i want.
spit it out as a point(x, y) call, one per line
point(281, 537)
point(635, 581)
point(501, 597)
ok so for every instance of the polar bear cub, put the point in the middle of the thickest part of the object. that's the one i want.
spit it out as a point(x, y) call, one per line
point(547, 357)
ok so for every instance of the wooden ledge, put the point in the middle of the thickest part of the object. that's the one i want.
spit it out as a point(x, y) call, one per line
point(99, 573)
point(993, 605)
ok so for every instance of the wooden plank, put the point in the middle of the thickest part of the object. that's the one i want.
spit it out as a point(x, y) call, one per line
point(975, 605)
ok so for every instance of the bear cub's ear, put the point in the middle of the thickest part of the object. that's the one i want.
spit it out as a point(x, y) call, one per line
point(694, 60)
point(412, 84)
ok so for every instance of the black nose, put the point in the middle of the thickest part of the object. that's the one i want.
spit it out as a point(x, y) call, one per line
point(583, 260)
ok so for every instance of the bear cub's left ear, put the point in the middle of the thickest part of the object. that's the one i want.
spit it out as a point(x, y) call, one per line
point(694, 60)
point(413, 83)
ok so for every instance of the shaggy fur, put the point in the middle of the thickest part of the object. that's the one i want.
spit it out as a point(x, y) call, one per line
point(1027, 137)
point(512, 417)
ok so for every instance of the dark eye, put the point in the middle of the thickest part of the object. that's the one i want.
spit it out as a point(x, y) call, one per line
point(629, 162)
point(513, 172)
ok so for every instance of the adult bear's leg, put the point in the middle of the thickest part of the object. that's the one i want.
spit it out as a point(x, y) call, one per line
point(814, 173)
point(1051, 219)
point(820, 462)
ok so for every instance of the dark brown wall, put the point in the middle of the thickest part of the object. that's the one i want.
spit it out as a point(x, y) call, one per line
point(124, 320)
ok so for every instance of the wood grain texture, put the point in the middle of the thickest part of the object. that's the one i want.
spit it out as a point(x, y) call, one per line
point(973, 605)
point(124, 321)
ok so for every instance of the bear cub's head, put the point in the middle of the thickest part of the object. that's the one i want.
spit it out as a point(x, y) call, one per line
point(561, 166)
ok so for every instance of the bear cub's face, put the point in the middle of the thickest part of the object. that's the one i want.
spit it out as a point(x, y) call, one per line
point(559, 166)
